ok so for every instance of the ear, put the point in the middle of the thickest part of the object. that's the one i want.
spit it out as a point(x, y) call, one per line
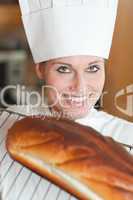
point(40, 71)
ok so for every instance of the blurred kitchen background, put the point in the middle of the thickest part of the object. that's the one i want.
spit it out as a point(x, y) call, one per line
point(17, 67)
point(16, 64)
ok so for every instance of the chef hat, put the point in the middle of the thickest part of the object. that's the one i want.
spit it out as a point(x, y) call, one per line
point(59, 28)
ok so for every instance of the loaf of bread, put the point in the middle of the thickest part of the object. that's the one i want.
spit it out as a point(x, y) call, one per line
point(75, 157)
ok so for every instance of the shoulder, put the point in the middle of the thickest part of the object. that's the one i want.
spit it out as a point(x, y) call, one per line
point(119, 128)
point(115, 122)
point(109, 125)
point(96, 119)
point(27, 110)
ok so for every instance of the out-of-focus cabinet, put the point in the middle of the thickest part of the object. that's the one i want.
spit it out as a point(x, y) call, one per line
point(10, 17)
point(118, 96)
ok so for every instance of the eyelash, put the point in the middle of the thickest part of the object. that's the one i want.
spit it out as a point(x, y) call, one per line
point(90, 71)
point(93, 66)
point(61, 67)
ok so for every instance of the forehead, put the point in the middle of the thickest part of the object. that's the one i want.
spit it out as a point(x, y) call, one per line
point(81, 59)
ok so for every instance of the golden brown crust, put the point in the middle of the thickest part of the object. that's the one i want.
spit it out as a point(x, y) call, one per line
point(96, 161)
point(51, 177)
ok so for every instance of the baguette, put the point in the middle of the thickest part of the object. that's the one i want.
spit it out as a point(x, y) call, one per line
point(75, 157)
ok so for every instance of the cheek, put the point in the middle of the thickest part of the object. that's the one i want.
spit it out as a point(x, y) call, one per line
point(96, 82)
point(100, 82)
point(59, 82)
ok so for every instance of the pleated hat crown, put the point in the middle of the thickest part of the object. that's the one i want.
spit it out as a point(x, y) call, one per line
point(59, 28)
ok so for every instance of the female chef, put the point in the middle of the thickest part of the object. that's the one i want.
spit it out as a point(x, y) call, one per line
point(70, 41)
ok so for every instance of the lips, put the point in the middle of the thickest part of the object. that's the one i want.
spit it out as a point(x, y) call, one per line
point(76, 101)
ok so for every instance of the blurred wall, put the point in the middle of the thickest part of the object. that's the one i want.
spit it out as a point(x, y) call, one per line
point(119, 70)
point(9, 18)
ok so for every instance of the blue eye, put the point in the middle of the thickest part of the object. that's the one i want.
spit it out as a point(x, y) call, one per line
point(93, 68)
point(64, 69)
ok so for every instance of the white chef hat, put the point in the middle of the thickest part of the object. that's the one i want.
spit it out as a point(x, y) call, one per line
point(59, 28)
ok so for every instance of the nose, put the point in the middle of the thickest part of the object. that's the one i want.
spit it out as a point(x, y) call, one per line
point(78, 84)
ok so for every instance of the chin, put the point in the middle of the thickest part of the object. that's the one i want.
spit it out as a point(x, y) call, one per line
point(76, 113)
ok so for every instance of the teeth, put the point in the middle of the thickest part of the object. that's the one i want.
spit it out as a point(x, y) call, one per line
point(77, 99)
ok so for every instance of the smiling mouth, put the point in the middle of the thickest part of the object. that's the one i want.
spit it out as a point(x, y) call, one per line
point(77, 99)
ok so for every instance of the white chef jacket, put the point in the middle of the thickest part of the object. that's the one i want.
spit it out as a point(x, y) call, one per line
point(20, 183)
point(109, 125)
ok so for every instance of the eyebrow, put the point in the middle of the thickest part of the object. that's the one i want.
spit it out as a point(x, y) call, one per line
point(93, 62)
